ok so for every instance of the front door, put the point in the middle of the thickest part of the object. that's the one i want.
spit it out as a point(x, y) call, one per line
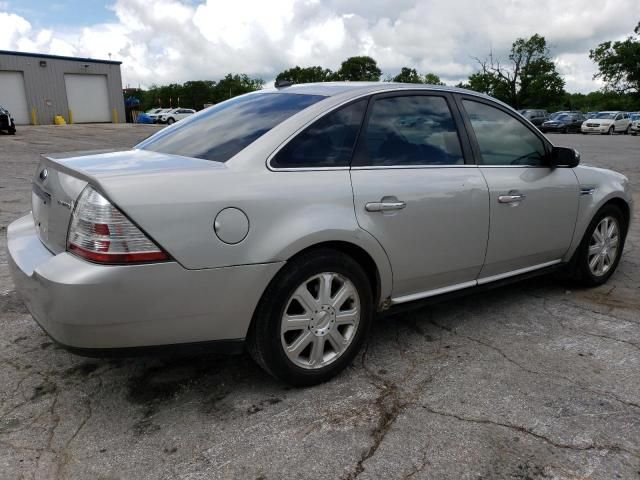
point(416, 195)
point(533, 207)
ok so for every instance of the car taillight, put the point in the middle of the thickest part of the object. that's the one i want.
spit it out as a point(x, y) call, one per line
point(101, 233)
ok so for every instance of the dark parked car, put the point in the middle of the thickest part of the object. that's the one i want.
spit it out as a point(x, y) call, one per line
point(6, 121)
point(564, 123)
point(537, 117)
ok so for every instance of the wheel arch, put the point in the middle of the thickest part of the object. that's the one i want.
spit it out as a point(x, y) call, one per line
point(585, 219)
point(359, 254)
point(624, 207)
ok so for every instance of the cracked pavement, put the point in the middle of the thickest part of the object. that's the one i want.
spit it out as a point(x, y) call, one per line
point(536, 380)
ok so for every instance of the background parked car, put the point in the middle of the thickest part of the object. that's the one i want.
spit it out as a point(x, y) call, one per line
point(174, 115)
point(591, 115)
point(156, 115)
point(144, 118)
point(607, 123)
point(6, 121)
point(564, 123)
point(634, 129)
point(537, 117)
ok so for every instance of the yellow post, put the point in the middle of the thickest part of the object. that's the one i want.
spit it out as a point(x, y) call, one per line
point(115, 115)
point(34, 117)
point(70, 117)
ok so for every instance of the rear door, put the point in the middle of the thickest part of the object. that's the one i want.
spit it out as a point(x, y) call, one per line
point(416, 191)
point(533, 207)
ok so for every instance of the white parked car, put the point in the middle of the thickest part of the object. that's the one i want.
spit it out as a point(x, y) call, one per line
point(157, 113)
point(174, 115)
point(607, 123)
point(635, 124)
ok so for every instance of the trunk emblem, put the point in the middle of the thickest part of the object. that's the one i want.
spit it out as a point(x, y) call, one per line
point(44, 174)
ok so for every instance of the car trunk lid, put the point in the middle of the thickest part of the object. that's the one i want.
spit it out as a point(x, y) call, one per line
point(60, 179)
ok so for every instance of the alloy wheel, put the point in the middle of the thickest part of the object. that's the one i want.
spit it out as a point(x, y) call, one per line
point(320, 320)
point(603, 246)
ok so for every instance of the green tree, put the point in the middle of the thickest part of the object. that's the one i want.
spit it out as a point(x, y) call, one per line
point(307, 74)
point(362, 68)
point(619, 63)
point(195, 93)
point(529, 78)
point(233, 85)
point(410, 75)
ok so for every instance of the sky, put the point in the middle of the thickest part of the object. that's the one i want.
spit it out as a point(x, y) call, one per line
point(165, 41)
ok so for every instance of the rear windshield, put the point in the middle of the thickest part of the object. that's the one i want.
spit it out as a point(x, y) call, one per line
point(221, 131)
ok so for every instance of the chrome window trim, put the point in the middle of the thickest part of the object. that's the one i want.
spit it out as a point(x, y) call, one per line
point(308, 169)
point(472, 283)
point(382, 90)
point(410, 167)
point(515, 166)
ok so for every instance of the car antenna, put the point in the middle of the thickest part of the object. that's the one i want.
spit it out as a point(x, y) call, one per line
point(283, 83)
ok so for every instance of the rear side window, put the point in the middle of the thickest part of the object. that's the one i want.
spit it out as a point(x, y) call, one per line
point(326, 143)
point(221, 131)
point(410, 130)
point(502, 139)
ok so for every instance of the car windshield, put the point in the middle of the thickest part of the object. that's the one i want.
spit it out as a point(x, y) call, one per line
point(608, 115)
point(221, 131)
point(562, 116)
point(635, 117)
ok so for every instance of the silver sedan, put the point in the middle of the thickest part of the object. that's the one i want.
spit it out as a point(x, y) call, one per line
point(283, 220)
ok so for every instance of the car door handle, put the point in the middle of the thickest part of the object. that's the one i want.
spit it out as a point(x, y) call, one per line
point(512, 197)
point(384, 206)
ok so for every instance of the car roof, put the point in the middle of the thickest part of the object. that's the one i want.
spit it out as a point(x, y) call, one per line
point(330, 89)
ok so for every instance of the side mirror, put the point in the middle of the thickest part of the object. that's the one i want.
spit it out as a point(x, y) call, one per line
point(564, 157)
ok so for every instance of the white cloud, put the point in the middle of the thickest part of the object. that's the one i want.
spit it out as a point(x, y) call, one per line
point(175, 40)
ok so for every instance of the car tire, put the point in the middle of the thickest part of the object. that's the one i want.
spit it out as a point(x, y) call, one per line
point(626, 132)
point(581, 267)
point(170, 121)
point(611, 130)
point(308, 351)
point(12, 131)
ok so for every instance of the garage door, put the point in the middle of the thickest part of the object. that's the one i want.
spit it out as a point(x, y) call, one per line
point(13, 97)
point(88, 98)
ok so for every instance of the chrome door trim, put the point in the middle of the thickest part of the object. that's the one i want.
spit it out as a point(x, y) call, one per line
point(472, 283)
point(520, 271)
point(433, 293)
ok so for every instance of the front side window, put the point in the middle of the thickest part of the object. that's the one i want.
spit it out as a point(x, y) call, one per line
point(327, 143)
point(502, 139)
point(410, 130)
point(221, 131)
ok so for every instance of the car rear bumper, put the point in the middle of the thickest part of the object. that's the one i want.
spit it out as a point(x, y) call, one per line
point(87, 306)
